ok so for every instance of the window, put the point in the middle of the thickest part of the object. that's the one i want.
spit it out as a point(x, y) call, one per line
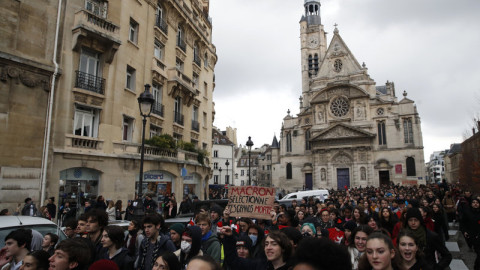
point(269, 157)
point(289, 142)
point(179, 64)
point(97, 7)
point(408, 130)
point(196, 56)
point(155, 131)
point(158, 50)
point(312, 64)
point(242, 172)
point(215, 165)
point(86, 122)
point(215, 153)
point(269, 167)
point(204, 146)
point(178, 116)
point(205, 60)
point(130, 80)
point(157, 92)
point(411, 171)
point(133, 32)
point(89, 72)
point(289, 170)
point(382, 135)
point(181, 39)
point(204, 119)
point(215, 179)
point(307, 140)
point(195, 124)
point(205, 89)
point(127, 128)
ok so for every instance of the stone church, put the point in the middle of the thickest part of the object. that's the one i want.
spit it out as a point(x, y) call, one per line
point(349, 132)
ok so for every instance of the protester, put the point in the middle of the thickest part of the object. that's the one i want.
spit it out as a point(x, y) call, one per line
point(97, 220)
point(470, 224)
point(320, 254)
point(410, 254)
point(210, 242)
point(257, 235)
point(49, 242)
point(203, 263)
point(358, 244)
point(167, 261)
point(70, 227)
point(36, 260)
point(111, 211)
point(29, 209)
point(81, 230)
point(112, 242)
point(71, 254)
point(176, 231)
point(154, 243)
point(244, 247)
point(380, 253)
point(17, 246)
point(190, 245)
point(134, 238)
point(52, 208)
point(118, 210)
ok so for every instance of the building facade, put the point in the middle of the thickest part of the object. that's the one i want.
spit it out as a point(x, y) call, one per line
point(107, 52)
point(223, 159)
point(349, 132)
point(436, 167)
point(452, 163)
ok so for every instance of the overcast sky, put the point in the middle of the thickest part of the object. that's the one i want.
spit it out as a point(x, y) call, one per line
point(428, 48)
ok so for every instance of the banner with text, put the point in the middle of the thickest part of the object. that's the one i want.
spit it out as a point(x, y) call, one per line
point(250, 201)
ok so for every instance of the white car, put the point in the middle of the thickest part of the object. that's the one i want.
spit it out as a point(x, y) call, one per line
point(42, 225)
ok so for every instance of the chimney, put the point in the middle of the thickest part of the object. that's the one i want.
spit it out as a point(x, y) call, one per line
point(473, 131)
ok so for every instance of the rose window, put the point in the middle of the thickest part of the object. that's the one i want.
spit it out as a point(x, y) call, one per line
point(380, 111)
point(340, 106)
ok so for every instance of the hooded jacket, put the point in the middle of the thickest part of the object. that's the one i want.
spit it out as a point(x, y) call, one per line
point(196, 234)
point(163, 243)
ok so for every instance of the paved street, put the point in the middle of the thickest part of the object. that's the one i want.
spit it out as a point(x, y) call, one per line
point(463, 256)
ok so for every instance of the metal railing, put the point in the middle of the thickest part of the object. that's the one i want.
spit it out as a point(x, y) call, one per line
point(182, 45)
point(162, 24)
point(178, 117)
point(157, 109)
point(90, 82)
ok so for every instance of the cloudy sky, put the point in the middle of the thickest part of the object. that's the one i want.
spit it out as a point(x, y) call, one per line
point(428, 48)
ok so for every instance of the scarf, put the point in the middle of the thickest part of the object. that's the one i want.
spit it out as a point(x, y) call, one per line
point(421, 235)
point(206, 236)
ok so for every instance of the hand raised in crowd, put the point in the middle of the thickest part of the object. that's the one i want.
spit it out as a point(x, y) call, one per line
point(226, 230)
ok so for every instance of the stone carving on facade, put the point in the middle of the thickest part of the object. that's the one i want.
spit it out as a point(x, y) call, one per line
point(180, 54)
point(338, 92)
point(96, 101)
point(323, 175)
point(339, 132)
point(320, 114)
point(337, 51)
point(360, 111)
point(80, 98)
point(342, 158)
point(363, 174)
point(194, 135)
point(25, 77)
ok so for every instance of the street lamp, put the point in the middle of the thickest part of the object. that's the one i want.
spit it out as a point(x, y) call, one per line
point(249, 145)
point(226, 164)
point(220, 170)
point(145, 102)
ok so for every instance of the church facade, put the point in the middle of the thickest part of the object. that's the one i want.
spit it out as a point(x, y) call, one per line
point(349, 131)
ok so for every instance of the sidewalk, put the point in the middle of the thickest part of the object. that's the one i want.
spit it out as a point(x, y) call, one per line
point(463, 257)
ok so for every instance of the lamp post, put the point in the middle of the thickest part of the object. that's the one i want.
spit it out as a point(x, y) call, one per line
point(249, 145)
point(220, 170)
point(145, 102)
point(226, 164)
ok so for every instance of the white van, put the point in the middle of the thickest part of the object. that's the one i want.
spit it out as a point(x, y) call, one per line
point(321, 194)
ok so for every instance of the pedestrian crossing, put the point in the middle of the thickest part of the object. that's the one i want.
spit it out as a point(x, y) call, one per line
point(452, 245)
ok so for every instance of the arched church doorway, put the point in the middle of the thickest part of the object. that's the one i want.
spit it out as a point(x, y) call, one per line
point(384, 177)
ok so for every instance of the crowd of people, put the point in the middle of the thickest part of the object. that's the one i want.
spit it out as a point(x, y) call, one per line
point(389, 227)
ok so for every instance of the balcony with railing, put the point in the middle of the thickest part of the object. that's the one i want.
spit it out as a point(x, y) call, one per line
point(83, 142)
point(178, 118)
point(162, 24)
point(195, 125)
point(89, 82)
point(157, 108)
point(89, 25)
point(182, 45)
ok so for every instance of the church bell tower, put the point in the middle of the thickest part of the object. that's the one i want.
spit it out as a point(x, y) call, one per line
point(313, 45)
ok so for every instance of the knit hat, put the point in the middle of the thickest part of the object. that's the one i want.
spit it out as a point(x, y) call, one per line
point(178, 227)
point(103, 264)
point(350, 225)
point(414, 213)
point(244, 241)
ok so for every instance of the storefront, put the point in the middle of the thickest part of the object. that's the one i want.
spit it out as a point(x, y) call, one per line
point(78, 185)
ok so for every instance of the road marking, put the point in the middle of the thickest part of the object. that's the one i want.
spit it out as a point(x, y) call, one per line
point(452, 232)
point(458, 265)
point(452, 246)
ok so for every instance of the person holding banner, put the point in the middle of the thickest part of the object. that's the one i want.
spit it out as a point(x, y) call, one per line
point(277, 247)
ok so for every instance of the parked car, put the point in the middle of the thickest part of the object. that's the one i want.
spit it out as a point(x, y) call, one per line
point(185, 218)
point(321, 194)
point(42, 225)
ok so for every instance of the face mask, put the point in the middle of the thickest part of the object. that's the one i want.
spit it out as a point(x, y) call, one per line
point(254, 239)
point(185, 246)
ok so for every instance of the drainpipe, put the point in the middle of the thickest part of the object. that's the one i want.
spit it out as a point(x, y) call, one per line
point(46, 140)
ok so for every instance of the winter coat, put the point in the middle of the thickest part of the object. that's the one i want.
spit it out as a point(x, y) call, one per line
point(211, 246)
point(163, 243)
point(122, 259)
point(434, 243)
